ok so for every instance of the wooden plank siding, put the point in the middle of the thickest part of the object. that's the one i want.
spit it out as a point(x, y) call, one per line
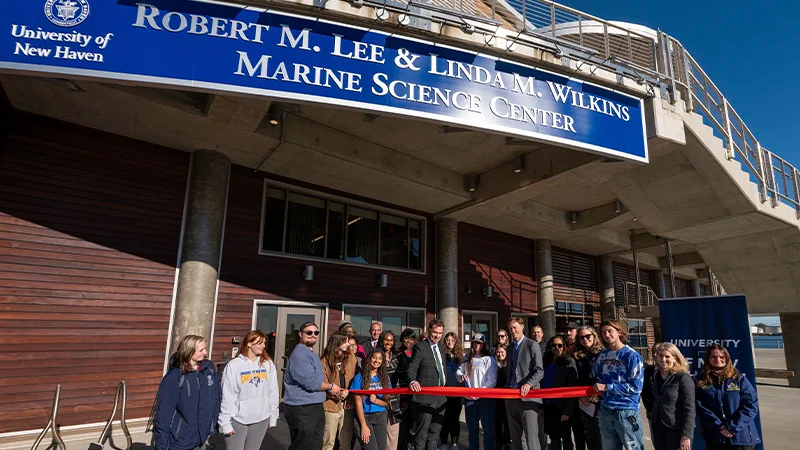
point(683, 288)
point(89, 233)
point(506, 262)
point(247, 276)
point(576, 279)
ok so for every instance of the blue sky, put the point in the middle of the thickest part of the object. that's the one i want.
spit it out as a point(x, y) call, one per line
point(734, 41)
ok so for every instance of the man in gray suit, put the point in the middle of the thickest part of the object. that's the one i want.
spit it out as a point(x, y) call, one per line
point(427, 369)
point(525, 372)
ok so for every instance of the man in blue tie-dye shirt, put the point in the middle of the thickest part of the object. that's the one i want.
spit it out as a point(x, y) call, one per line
point(620, 374)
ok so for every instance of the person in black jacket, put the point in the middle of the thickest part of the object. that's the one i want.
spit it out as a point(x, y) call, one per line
point(427, 369)
point(650, 368)
point(587, 347)
point(673, 410)
point(559, 371)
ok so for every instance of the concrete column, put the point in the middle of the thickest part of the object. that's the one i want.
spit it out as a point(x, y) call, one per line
point(790, 324)
point(544, 280)
point(608, 306)
point(695, 288)
point(447, 277)
point(204, 221)
point(659, 287)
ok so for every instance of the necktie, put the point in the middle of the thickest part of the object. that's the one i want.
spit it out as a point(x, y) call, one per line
point(512, 370)
point(439, 369)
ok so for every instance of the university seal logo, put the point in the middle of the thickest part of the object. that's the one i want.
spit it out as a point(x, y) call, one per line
point(66, 13)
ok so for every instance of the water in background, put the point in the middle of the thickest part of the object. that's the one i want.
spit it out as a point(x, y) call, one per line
point(760, 341)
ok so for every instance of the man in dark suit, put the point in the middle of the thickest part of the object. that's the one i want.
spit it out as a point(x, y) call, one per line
point(427, 369)
point(372, 341)
point(525, 372)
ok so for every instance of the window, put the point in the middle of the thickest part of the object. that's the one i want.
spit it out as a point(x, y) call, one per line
point(391, 319)
point(313, 226)
point(637, 333)
point(580, 313)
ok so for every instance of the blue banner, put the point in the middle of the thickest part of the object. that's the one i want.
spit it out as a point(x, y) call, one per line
point(223, 48)
point(694, 324)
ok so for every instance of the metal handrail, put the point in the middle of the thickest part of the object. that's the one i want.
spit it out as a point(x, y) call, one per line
point(659, 60)
point(52, 424)
point(647, 296)
point(122, 389)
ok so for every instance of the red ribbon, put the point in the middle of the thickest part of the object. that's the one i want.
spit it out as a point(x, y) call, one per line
point(564, 392)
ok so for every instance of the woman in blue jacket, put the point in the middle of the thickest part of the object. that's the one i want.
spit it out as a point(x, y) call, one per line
point(187, 407)
point(727, 404)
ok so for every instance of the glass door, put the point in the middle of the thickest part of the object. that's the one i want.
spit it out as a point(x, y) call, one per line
point(476, 322)
point(281, 324)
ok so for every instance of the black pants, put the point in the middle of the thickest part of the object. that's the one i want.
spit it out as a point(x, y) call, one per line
point(377, 423)
point(576, 423)
point(451, 426)
point(665, 438)
point(559, 432)
point(728, 447)
point(426, 424)
point(306, 426)
point(591, 424)
point(501, 423)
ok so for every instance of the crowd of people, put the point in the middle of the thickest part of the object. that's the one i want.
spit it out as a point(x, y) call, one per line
point(193, 403)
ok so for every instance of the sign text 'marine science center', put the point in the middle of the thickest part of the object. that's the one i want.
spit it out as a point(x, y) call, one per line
point(224, 48)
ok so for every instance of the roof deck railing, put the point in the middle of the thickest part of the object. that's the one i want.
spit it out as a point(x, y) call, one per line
point(649, 57)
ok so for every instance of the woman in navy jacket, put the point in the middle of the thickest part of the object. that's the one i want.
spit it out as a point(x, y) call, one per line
point(188, 401)
point(727, 404)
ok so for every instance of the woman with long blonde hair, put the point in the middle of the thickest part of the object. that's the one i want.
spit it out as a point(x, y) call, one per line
point(673, 410)
point(587, 349)
point(188, 399)
point(249, 395)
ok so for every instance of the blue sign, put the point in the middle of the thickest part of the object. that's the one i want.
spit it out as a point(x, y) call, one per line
point(223, 48)
point(694, 324)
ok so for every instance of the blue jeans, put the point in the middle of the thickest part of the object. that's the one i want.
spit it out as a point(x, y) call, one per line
point(483, 410)
point(621, 429)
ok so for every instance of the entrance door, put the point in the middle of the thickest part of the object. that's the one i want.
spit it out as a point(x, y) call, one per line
point(282, 324)
point(476, 322)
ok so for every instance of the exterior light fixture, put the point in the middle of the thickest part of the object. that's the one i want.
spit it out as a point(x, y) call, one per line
point(275, 114)
point(403, 19)
point(519, 164)
point(468, 290)
point(308, 273)
point(573, 217)
point(381, 14)
point(617, 206)
point(467, 28)
point(473, 181)
point(488, 291)
point(383, 280)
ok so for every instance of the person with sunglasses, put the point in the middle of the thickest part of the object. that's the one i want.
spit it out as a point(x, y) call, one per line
point(500, 339)
point(587, 349)
point(304, 391)
point(559, 371)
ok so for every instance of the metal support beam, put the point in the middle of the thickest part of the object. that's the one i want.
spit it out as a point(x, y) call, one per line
point(636, 269)
point(668, 249)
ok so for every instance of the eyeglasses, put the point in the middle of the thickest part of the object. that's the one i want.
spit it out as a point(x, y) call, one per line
point(311, 333)
point(502, 335)
point(586, 337)
point(556, 345)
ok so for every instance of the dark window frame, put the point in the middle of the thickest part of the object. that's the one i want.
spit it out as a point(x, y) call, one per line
point(348, 204)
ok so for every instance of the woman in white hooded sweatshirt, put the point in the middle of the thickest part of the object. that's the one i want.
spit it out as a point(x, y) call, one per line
point(249, 395)
point(479, 371)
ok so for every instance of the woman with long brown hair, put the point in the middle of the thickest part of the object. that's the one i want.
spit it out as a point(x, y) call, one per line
point(371, 417)
point(479, 371)
point(188, 399)
point(727, 403)
point(339, 367)
point(559, 371)
point(501, 419)
point(249, 395)
point(451, 427)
